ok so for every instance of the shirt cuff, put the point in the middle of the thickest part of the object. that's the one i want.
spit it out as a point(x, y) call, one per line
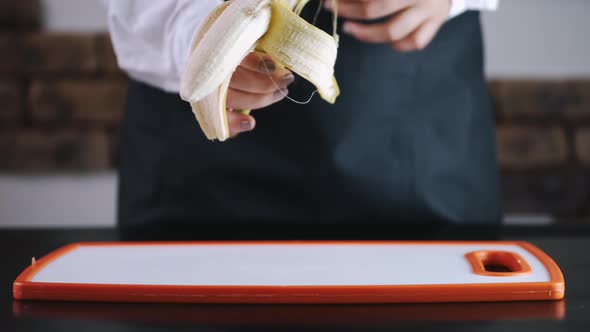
point(460, 6)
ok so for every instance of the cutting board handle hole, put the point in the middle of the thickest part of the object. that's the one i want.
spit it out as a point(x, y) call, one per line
point(492, 267)
point(498, 263)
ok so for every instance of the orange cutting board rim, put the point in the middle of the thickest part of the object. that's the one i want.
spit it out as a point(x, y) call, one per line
point(25, 289)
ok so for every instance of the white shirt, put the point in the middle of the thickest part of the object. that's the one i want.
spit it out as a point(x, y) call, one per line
point(152, 38)
point(461, 6)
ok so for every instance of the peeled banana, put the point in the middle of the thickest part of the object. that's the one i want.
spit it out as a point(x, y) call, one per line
point(238, 27)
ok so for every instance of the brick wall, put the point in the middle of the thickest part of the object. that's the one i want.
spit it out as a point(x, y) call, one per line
point(61, 100)
point(543, 137)
point(61, 96)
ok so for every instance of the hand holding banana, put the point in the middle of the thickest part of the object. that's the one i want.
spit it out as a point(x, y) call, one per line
point(257, 82)
point(223, 72)
point(410, 25)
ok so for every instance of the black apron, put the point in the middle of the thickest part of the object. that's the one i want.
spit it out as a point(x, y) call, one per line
point(410, 139)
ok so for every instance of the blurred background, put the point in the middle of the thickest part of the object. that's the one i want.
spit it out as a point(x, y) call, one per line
point(61, 100)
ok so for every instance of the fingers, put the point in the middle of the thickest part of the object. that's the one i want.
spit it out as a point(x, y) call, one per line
point(258, 82)
point(260, 62)
point(393, 30)
point(368, 9)
point(239, 123)
point(418, 39)
point(263, 63)
point(412, 24)
point(247, 80)
point(241, 100)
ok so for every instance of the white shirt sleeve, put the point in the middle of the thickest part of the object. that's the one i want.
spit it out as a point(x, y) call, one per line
point(460, 6)
point(152, 38)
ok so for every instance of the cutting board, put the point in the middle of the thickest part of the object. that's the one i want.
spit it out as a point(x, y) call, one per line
point(293, 272)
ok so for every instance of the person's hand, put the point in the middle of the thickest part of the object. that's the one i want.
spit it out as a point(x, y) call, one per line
point(258, 82)
point(410, 25)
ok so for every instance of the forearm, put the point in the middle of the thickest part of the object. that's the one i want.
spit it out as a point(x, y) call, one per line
point(152, 39)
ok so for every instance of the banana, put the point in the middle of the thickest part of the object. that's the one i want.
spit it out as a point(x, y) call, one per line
point(223, 46)
point(212, 126)
point(302, 48)
point(236, 28)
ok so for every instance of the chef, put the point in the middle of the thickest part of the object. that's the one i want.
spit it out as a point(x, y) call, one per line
point(410, 139)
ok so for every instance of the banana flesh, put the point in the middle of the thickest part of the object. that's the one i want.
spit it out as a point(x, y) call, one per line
point(215, 127)
point(235, 29)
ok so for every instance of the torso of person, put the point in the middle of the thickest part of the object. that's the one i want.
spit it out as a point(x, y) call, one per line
point(410, 140)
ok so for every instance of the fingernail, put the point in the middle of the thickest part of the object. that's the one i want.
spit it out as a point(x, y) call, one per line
point(347, 27)
point(245, 125)
point(282, 92)
point(267, 66)
point(328, 4)
point(288, 79)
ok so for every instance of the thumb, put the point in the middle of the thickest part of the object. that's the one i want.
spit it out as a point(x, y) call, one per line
point(239, 123)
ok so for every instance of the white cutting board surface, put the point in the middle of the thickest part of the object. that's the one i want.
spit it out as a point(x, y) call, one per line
point(278, 265)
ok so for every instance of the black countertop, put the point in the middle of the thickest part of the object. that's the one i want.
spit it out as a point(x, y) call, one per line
point(570, 247)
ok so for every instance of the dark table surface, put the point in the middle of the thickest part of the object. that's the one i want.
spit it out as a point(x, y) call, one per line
point(570, 247)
